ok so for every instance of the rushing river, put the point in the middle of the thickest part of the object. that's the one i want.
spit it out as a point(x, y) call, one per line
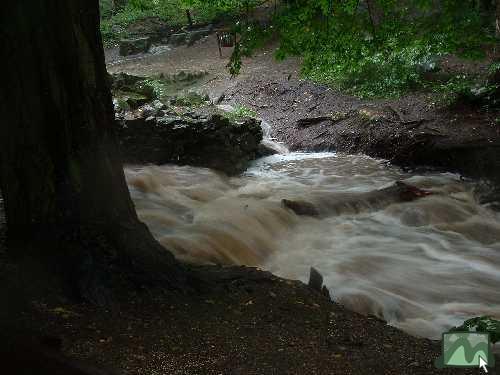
point(423, 265)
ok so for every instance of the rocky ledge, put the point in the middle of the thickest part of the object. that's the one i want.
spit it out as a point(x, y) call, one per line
point(204, 138)
point(164, 120)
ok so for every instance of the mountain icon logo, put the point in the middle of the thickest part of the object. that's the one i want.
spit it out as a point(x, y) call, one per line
point(466, 349)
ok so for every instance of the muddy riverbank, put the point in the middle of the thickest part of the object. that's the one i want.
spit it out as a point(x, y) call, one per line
point(415, 130)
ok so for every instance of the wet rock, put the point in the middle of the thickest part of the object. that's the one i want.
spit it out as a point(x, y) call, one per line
point(431, 64)
point(134, 46)
point(131, 100)
point(189, 37)
point(178, 39)
point(326, 292)
point(190, 99)
point(152, 27)
point(301, 208)
point(195, 36)
point(264, 150)
point(120, 105)
point(431, 70)
point(130, 92)
point(159, 105)
point(335, 204)
point(204, 138)
point(185, 76)
point(315, 279)
point(124, 81)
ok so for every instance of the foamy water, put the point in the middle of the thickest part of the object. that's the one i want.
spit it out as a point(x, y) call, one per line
point(423, 266)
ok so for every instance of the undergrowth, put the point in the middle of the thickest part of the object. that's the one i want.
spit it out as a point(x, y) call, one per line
point(342, 48)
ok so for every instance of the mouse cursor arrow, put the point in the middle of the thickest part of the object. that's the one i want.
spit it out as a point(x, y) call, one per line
point(483, 364)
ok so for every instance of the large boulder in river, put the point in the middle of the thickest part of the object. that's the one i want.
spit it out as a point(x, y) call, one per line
point(205, 138)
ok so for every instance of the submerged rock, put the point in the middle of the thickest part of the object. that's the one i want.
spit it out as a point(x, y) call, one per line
point(205, 138)
point(336, 204)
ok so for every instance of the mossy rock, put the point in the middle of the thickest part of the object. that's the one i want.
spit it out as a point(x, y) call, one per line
point(131, 99)
point(190, 99)
point(134, 46)
point(135, 90)
point(203, 138)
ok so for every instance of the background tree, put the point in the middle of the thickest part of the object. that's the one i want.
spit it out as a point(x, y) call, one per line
point(497, 19)
point(119, 4)
point(65, 196)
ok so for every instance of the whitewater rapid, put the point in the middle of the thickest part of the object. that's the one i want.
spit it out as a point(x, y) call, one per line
point(423, 266)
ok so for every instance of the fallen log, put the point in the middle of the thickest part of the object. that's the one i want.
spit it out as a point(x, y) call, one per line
point(337, 204)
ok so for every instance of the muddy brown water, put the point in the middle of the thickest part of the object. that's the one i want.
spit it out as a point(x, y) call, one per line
point(423, 266)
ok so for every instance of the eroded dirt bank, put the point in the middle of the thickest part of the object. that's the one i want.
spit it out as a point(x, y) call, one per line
point(413, 131)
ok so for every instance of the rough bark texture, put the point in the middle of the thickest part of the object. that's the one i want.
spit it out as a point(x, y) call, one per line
point(375, 13)
point(119, 4)
point(497, 19)
point(60, 172)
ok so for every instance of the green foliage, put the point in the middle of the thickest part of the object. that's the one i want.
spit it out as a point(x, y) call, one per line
point(158, 87)
point(341, 45)
point(106, 8)
point(251, 37)
point(383, 50)
point(484, 324)
point(191, 99)
point(462, 89)
point(240, 111)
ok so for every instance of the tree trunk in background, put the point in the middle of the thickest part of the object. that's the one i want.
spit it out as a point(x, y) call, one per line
point(375, 13)
point(119, 4)
point(497, 19)
point(189, 18)
point(60, 170)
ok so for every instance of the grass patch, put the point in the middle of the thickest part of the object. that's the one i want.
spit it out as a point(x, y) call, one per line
point(342, 48)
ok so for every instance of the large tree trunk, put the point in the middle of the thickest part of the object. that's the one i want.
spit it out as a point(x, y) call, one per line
point(60, 170)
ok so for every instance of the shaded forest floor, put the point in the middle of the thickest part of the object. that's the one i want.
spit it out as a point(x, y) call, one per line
point(243, 321)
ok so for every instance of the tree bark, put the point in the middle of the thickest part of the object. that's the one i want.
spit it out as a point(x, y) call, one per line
point(60, 169)
point(119, 4)
point(497, 19)
point(375, 13)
